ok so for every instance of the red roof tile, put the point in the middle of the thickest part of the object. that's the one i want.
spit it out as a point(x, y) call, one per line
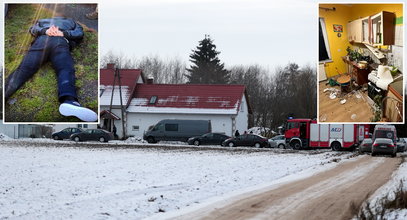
point(191, 95)
point(128, 77)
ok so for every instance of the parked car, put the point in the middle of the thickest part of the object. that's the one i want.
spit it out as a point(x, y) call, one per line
point(366, 145)
point(247, 140)
point(65, 133)
point(384, 146)
point(277, 141)
point(177, 130)
point(401, 145)
point(93, 135)
point(209, 138)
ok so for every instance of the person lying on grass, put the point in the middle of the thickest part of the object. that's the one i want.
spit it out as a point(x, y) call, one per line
point(54, 38)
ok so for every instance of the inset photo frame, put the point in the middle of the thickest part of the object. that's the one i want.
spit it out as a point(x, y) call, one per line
point(361, 63)
point(51, 63)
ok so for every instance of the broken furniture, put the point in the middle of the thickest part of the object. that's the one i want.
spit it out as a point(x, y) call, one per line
point(344, 83)
point(377, 29)
point(359, 74)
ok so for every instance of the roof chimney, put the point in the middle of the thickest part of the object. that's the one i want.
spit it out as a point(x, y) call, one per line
point(110, 66)
point(150, 80)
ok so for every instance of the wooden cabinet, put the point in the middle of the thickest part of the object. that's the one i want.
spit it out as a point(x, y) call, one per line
point(383, 26)
point(380, 31)
point(355, 31)
point(393, 105)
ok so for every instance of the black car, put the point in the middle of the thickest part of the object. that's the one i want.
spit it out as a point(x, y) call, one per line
point(93, 135)
point(65, 133)
point(208, 139)
point(247, 140)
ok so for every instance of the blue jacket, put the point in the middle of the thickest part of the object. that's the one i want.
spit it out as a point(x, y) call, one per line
point(72, 31)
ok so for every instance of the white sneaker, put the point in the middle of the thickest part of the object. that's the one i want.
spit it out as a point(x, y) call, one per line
point(72, 108)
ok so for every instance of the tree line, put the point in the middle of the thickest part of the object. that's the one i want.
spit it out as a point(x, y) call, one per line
point(273, 95)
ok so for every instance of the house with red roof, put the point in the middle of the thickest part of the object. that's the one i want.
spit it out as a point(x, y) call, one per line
point(137, 104)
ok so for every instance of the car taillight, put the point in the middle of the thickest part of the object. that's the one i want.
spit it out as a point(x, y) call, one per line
point(390, 145)
point(375, 145)
point(366, 145)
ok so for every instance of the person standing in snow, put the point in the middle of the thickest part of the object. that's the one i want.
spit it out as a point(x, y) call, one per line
point(237, 133)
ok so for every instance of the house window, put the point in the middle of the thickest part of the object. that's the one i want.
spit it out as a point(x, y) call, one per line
point(79, 126)
point(85, 126)
point(324, 51)
point(153, 99)
point(171, 127)
point(242, 107)
point(136, 127)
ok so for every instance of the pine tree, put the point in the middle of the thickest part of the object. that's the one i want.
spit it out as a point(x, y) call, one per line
point(206, 67)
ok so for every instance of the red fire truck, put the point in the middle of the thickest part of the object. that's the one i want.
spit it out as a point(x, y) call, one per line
point(307, 133)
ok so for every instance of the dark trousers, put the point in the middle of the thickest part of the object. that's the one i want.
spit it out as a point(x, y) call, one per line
point(45, 48)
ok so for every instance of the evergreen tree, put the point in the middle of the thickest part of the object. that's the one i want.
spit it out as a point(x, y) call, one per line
point(206, 67)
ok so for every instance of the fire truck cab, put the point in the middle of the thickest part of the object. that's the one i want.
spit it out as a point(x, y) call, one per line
point(307, 133)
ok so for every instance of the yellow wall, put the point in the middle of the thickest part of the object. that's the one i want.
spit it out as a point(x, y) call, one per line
point(342, 15)
point(364, 10)
point(337, 44)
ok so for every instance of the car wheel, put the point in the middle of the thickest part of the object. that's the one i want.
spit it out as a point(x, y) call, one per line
point(56, 137)
point(394, 155)
point(231, 144)
point(296, 145)
point(373, 154)
point(282, 146)
point(77, 139)
point(102, 139)
point(336, 146)
point(257, 145)
point(150, 140)
point(196, 143)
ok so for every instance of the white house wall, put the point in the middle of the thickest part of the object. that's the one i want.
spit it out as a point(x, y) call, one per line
point(11, 130)
point(242, 118)
point(220, 123)
point(117, 123)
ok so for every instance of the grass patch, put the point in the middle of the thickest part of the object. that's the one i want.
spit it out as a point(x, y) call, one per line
point(37, 99)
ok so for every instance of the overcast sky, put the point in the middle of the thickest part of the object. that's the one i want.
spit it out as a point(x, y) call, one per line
point(265, 32)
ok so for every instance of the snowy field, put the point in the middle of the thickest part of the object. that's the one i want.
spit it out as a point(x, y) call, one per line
point(107, 183)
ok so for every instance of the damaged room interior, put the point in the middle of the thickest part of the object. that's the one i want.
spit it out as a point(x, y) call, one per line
point(360, 69)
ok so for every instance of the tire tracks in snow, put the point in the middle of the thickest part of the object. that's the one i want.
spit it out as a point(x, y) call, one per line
point(325, 195)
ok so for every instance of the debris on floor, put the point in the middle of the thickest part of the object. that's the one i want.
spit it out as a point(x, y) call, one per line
point(343, 101)
point(353, 116)
point(322, 118)
point(333, 94)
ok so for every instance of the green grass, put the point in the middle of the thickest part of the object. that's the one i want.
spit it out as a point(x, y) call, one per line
point(37, 99)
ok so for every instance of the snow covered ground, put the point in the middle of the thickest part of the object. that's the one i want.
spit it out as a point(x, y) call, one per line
point(387, 191)
point(108, 183)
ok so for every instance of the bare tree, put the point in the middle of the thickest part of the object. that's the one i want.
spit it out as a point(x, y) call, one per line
point(163, 71)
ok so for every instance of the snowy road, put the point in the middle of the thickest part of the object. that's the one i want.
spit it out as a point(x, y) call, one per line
point(64, 182)
point(327, 195)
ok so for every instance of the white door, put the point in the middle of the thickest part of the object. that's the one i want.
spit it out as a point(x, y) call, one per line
point(348, 133)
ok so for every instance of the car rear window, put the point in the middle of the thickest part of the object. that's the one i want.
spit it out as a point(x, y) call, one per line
point(384, 134)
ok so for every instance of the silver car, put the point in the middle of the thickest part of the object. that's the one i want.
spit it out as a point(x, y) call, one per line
point(384, 146)
point(366, 145)
point(401, 145)
point(277, 141)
